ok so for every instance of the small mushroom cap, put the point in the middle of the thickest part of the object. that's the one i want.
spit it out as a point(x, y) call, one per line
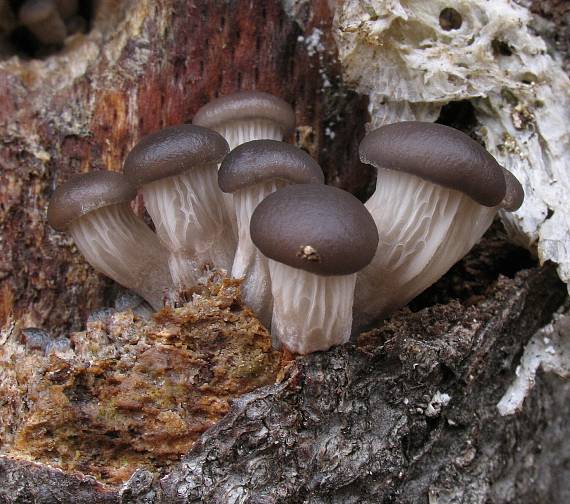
point(262, 160)
point(67, 8)
point(35, 11)
point(174, 150)
point(246, 105)
point(439, 154)
point(85, 193)
point(316, 228)
point(514, 195)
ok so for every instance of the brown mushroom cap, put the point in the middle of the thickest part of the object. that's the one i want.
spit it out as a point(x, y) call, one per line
point(439, 154)
point(514, 195)
point(36, 11)
point(262, 160)
point(171, 151)
point(85, 193)
point(67, 8)
point(316, 228)
point(246, 105)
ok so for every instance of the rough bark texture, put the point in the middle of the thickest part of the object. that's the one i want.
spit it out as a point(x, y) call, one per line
point(365, 423)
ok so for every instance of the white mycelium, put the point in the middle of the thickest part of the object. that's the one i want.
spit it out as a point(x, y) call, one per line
point(119, 244)
point(424, 229)
point(249, 263)
point(310, 312)
point(191, 220)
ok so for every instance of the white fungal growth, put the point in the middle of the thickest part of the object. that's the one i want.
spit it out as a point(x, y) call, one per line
point(549, 350)
point(120, 245)
point(249, 263)
point(310, 312)
point(313, 42)
point(191, 220)
point(436, 404)
point(424, 230)
point(398, 54)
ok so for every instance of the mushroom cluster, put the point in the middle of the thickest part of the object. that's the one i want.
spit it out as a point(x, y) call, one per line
point(48, 21)
point(316, 264)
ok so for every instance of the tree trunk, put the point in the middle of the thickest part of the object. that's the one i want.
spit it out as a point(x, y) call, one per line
point(408, 414)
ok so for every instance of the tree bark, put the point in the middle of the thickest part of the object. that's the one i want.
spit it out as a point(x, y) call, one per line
point(363, 423)
point(406, 415)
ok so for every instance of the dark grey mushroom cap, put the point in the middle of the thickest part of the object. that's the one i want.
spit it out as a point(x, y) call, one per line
point(316, 228)
point(263, 160)
point(514, 195)
point(246, 105)
point(171, 151)
point(439, 154)
point(85, 193)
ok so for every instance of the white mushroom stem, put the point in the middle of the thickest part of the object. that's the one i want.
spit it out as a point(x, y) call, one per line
point(249, 263)
point(120, 245)
point(184, 268)
point(424, 229)
point(310, 312)
point(191, 220)
point(240, 132)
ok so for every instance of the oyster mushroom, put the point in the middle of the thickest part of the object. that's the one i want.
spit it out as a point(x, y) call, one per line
point(317, 238)
point(177, 169)
point(67, 8)
point(44, 20)
point(251, 172)
point(245, 116)
point(437, 192)
point(94, 208)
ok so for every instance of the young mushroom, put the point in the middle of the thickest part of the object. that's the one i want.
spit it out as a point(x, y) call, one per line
point(177, 168)
point(437, 192)
point(317, 238)
point(245, 116)
point(251, 172)
point(94, 208)
point(43, 19)
point(67, 8)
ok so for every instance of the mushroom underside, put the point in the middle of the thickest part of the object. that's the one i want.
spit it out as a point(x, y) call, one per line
point(120, 245)
point(310, 312)
point(246, 130)
point(191, 220)
point(249, 263)
point(424, 229)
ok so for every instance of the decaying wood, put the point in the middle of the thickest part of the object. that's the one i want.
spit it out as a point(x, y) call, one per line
point(363, 423)
point(407, 415)
point(130, 392)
